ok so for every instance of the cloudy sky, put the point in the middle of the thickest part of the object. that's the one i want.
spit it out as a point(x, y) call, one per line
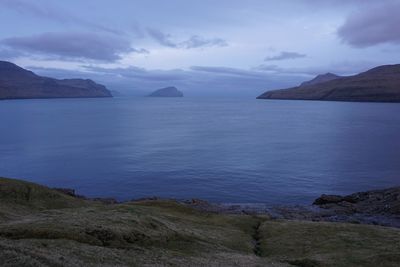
point(203, 47)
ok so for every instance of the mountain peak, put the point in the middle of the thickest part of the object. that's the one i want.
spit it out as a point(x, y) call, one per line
point(321, 78)
point(9, 71)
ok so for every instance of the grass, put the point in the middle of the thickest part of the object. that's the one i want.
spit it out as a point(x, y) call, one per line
point(42, 227)
point(330, 244)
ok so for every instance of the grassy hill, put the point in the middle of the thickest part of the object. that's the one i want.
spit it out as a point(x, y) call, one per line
point(43, 227)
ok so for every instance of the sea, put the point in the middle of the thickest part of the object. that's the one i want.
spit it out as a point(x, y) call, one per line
point(224, 150)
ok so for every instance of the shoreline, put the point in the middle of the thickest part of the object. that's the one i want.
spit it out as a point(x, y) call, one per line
point(40, 226)
point(374, 207)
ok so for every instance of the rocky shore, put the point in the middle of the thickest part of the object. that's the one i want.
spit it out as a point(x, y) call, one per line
point(376, 207)
point(40, 226)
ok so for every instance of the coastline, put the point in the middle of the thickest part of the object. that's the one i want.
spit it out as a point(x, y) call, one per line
point(374, 207)
point(40, 226)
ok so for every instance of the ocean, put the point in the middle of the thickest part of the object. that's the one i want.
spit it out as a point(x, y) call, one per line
point(228, 150)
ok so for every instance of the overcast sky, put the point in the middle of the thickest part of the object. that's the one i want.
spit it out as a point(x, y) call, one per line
point(203, 47)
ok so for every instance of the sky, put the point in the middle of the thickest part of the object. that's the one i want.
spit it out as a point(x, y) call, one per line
point(208, 47)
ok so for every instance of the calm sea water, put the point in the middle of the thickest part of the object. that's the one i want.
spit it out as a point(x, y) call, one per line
point(222, 150)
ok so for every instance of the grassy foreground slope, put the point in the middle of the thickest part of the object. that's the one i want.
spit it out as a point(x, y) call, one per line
point(42, 227)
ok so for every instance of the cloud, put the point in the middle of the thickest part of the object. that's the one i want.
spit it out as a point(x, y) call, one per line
point(227, 71)
point(42, 11)
point(7, 54)
point(194, 41)
point(196, 81)
point(137, 73)
point(140, 51)
point(176, 74)
point(161, 38)
point(50, 12)
point(372, 26)
point(339, 68)
point(285, 55)
point(73, 46)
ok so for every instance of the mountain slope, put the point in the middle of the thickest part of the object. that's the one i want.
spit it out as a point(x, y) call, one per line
point(18, 83)
point(380, 84)
point(321, 78)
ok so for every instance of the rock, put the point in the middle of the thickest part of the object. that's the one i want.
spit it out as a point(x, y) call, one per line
point(350, 199)
point(18, 83)
point(167, 92)
point(386, 201)
point(380, 84)
point(328, 199)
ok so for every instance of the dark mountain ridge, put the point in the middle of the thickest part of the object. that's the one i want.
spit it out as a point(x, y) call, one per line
point(19, 83)
point(380, 84)
point(321, 78)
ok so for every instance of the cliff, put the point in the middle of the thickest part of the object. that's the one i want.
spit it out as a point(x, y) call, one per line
point(19, 83)
point(380, 84)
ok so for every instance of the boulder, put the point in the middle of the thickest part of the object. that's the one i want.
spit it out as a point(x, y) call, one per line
point(328, 199)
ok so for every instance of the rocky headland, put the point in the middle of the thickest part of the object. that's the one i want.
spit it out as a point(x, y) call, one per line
point(19, 83)
point(380, 84)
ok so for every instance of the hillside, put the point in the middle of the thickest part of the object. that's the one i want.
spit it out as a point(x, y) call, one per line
point(43, 227)
point(380, 84)
point(18, 83)
point(321, 78)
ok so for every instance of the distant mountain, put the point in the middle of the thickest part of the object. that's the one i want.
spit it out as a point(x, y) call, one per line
point(19, 83)
point(380, 84)
point(321, 78)
point(167, 92)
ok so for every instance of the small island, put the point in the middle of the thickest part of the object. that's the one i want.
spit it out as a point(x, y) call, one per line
point(19, 83)
point(380, 84)
point(167, 92)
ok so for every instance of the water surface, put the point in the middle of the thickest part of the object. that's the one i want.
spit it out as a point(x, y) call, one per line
point(223, 150)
